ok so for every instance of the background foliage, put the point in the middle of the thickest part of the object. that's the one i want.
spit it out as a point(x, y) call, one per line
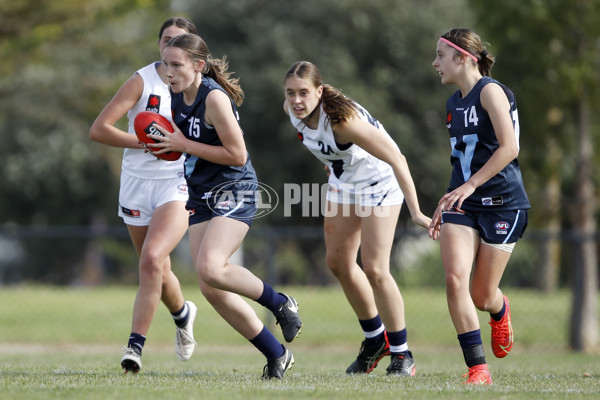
point(63, 60)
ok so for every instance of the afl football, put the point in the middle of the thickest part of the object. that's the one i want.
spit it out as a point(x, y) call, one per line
point(144, 124)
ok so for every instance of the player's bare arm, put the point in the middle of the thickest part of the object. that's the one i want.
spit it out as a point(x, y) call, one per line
point(377, 144)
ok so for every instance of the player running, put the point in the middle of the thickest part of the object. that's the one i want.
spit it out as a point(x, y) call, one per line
point(484, 212)
point(222, 187)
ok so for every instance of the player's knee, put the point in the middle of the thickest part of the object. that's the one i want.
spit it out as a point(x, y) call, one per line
point(453, 282)
point(209, 274)
point(339, 266)
point(375, 275)
point(482, 300)
point(151, 263)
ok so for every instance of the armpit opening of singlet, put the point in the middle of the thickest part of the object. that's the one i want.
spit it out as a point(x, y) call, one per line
point(344, 146)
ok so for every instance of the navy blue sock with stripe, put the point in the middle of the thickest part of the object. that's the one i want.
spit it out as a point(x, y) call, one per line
point(181, 317)
point(373, 329)
point(398, 344)
point(136, 342)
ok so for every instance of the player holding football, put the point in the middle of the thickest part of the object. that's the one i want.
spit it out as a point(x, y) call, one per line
point(151, 202)
point(222, 188)
point(484, 212)
point(369, 180)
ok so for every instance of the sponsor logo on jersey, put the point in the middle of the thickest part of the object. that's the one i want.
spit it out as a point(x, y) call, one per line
point(153, 103)
point(502, 227)
point(300, 136)
point(449, 120)
point(492, 201)
point(130, 213)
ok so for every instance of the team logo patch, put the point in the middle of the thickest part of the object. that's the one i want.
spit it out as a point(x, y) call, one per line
point(225, 205)
point(130, 213)
point(153, 103)
point(449, 120)
point(502, 227)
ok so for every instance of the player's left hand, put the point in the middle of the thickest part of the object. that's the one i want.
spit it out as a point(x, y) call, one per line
point(170, 141)
point(455, 198)
point(435, 224)
point(422, 220)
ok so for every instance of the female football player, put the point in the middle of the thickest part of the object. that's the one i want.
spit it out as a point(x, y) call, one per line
point(484, 211)
point(151, 202)
point(222, 195)
point(368, 181)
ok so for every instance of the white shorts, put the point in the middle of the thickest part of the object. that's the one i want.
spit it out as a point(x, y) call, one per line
point(138, 198)
point(371, 196)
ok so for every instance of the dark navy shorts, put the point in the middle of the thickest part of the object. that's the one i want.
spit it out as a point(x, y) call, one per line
point(230, 202)
point(495, 227)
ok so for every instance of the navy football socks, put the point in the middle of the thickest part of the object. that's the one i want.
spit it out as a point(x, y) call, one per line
point(136, 342)
point(181, 317)
point(270, 298)
point(373, 329)
point(267, 344)
point(472, 348)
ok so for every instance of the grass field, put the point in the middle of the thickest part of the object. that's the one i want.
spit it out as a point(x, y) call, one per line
point(57, 343)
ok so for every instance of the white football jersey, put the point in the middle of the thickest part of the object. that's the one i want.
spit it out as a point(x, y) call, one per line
point(351, 168)
point(155, 98)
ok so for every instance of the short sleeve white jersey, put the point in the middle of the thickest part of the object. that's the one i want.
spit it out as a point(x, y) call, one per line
point(156, 98)
point(351, 167)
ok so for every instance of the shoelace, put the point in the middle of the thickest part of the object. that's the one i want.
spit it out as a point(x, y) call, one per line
point(183, 334)
point(397, 361)
point(129, 350)
point(500, 327)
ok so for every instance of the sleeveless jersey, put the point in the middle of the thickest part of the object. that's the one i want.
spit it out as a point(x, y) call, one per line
point(156, 98)
point(352, 168)
point(473, 141)
point(204, 176)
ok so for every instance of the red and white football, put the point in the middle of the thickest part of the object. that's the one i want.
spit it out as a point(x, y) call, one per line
point(144, 124)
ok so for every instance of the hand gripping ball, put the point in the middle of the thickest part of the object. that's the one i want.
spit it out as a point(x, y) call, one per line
point(144, 124)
